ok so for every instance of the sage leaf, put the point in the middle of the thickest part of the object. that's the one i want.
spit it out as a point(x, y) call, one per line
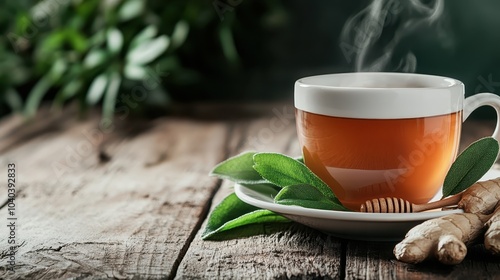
point(266, 189)
point(114, 40)
point(180, 33)
point(96, 89)
point(228, 45)
point(135, 72)
point(300, 159)
point(109, 102)
point(77, 40)
point(306, 196)
point(98, 38)
point(285, 171)
point(470, 165)
point(232, 213)
point(71, 89)
point(239, 169)
point(95, 58)
point(58, 69)
point(68, 91)
point(146, 34)
point(13, 99)
point(148, 51)
point(36, 94)
point(130, 9)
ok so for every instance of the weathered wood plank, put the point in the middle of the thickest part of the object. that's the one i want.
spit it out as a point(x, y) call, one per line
point(131, 215)
point(289, 251)
point(129, 202)
point(16, 130)
point(372, 260)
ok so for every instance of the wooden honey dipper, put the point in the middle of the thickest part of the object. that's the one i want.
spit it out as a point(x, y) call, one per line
point(399, 205)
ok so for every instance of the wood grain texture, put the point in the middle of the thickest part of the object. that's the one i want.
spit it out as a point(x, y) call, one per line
point(374, 260)
point(287, 251)
point(133, 215)
point(130, 202)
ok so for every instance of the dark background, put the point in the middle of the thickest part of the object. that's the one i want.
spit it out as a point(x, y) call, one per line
point(270, 45)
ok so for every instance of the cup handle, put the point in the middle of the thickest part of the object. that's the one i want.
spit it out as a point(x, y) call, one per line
point(475, 101)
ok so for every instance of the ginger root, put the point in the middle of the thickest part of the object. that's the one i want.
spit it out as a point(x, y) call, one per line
point(492, 235)
point(446, 238)
point(482, 197)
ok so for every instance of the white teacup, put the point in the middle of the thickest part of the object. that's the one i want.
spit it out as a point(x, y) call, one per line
point(372, 135)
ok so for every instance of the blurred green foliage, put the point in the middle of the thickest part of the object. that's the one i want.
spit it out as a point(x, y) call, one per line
point(138, 55)
point(115, 51)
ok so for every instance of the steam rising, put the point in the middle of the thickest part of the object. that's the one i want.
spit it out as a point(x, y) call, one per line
point(363, 34)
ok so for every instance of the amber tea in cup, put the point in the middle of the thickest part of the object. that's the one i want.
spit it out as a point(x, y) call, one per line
point(372, 135)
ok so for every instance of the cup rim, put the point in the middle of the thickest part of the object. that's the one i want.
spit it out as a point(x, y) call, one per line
point(350, 95)
point(451, 82)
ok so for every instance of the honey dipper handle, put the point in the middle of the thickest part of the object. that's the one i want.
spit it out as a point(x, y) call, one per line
point(451, 200)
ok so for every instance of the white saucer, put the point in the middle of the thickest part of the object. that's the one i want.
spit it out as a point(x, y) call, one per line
point(349, 225)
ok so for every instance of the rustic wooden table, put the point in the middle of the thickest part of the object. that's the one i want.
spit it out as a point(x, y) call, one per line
point(130, 201)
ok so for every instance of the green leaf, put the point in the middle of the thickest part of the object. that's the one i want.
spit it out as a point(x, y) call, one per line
point(299, 159)
point(71, 89)
point(239, 169)
point(285, 171)
point(228, 45)
point(130, 9)
point(36, 95)
point(135, 72)
point(95, 58)
point(114, 40)
point(53, 42)
point(96, 89)
point(58, 69)
point(68, 91)
point(471, 165)
point(251, 230)
point(266, 189)
point(148, 50)
point(232, 213)
point(146, 34)
point(306, 196)
point(13, 99)
point(108, 105)
point(78, 41)
point(180, 33)
point(98, 38)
